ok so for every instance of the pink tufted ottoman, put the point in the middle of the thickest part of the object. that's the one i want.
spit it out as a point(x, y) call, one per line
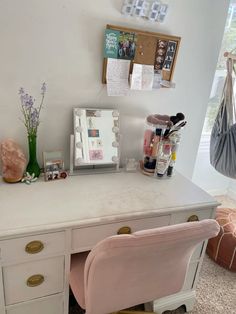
point(222, 249)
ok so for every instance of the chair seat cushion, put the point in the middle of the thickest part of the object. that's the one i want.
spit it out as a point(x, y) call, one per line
point(222, 248)
point(77, 276)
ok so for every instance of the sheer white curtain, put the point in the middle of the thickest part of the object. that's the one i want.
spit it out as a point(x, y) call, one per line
point(204, 174)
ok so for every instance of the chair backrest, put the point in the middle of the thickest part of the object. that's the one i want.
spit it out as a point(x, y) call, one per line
point(125, 270)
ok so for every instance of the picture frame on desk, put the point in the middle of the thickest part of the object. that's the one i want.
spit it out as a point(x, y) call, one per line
point(54, 165)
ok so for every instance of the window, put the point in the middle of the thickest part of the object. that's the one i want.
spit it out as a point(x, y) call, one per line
point(228, 44)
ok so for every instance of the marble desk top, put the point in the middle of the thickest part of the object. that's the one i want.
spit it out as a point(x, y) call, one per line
point(94, 199)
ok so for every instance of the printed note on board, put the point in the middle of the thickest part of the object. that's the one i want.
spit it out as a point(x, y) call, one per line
point(148, 75)
point(142, 77)
point(117, 77)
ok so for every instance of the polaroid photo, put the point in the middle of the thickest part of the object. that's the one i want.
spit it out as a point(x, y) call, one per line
point(155, 6)
point(129, 2)
point(153, 15)
point(162, 12)
point(163, 8)
point(161, 18)
point(127, 9)
point(140, 3)
point(138, 12)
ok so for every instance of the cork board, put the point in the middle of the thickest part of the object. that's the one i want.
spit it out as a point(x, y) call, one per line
point(145, 49)
point(150, 49)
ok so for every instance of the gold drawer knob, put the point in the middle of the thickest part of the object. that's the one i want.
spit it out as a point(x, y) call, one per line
point(34, 247)
point(124, 230)
point(35, 280)
point(193, 218)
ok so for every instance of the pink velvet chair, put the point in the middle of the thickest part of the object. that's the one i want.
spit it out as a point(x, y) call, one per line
point(125, 270)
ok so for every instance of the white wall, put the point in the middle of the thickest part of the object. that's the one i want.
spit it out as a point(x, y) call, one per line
point(60, 42)
point(205, 175)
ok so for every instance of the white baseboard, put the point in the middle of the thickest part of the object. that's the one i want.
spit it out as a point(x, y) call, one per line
point(231, 193)
point(218, 192)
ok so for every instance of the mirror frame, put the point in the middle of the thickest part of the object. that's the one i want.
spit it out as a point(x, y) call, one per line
point(78, 138)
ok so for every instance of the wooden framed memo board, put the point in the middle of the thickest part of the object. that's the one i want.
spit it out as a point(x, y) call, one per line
point(141, 47)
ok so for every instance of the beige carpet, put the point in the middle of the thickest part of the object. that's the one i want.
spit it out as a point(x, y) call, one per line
point(216, 290)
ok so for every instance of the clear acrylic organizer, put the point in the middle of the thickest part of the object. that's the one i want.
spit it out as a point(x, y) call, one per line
point(160, 151)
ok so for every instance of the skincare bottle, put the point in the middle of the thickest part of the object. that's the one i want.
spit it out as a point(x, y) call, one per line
point(171, 165)
point(175, 140)
point(148, 136)
point(156, 141)
point(163, 158)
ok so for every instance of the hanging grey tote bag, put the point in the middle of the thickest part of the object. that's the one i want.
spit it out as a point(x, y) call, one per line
point(223, 135)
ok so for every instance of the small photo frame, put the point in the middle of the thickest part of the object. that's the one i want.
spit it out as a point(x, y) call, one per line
point(54, 166)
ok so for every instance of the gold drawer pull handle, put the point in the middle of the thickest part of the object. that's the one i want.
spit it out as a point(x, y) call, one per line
point(193, 218)
point(35, 280)
point(124, 230)
point(34, 247)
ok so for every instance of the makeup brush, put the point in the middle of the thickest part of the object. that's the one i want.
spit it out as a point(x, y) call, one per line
point(175, 120)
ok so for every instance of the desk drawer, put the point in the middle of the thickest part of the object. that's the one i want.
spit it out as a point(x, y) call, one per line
point(85, 238)
point(31, 246)
point(48, 305)
point(189, 215)
point(28, 281)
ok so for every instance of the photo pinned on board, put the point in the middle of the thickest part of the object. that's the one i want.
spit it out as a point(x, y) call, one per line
point(126, 45)
point(160, 54)
point(169, 58)
point(119, 45)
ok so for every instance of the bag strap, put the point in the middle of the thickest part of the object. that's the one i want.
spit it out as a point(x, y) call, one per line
point(227, 101)
point(231, 104)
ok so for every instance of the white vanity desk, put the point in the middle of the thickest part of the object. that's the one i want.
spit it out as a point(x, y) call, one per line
point(72, 215)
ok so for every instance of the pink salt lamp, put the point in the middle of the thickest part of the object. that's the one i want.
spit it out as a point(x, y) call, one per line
point(13, 161)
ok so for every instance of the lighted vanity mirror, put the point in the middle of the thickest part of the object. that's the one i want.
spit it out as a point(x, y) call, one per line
point(96, 137)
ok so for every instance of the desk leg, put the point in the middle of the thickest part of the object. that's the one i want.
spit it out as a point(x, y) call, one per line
point(2, 298)
point(67, 271)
